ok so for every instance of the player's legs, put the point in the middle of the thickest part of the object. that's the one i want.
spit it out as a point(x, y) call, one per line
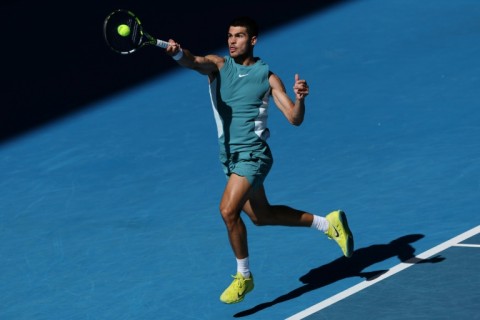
point(335, 224)
point(234, 196)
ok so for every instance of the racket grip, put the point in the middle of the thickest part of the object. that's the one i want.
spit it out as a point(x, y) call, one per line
point(162, 44)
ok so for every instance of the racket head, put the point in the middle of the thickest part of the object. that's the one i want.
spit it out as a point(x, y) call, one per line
point(125, 44)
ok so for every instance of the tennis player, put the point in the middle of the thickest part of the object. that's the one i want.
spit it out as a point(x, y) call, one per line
point(240, 88)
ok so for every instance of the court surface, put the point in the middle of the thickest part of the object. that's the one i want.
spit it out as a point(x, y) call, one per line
point(112, 212)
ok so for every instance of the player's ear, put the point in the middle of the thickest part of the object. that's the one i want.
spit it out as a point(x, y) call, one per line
point(253, 40)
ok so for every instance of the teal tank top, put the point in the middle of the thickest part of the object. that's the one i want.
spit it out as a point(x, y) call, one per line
point(240, 96)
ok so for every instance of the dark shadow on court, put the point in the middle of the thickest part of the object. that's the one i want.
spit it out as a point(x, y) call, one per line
point(55, 60)
point(343, 268)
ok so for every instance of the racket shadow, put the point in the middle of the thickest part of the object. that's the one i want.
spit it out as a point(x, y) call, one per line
point(343, 268)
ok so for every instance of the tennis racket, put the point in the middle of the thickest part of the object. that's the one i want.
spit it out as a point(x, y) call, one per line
point(124, 33)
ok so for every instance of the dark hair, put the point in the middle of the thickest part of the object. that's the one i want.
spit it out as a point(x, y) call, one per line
point(247, 22)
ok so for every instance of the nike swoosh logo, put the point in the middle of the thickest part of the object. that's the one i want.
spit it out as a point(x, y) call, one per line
point(242, 75)
point(336, 232)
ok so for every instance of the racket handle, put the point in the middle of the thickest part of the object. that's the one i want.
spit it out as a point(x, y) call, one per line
point(162, 44)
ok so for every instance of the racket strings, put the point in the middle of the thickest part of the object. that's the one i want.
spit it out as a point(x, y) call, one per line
point(123, 44)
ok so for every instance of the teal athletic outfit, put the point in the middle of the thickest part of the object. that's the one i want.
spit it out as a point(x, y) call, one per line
point(240, 96)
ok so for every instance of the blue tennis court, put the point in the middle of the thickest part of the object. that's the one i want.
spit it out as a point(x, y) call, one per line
point(112, 212)
point(437, 287)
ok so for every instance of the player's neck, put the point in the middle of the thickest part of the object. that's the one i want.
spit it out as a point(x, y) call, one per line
point(245, 60)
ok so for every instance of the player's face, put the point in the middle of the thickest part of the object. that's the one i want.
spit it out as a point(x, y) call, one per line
point(239, 42)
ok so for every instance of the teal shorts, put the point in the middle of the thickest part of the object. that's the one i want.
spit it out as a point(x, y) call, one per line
point(252, 165)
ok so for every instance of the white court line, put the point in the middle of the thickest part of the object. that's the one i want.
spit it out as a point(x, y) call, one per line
point(467, 245)
point(399, 267)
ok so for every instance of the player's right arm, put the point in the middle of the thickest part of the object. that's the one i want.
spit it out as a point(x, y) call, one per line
point(207, 65)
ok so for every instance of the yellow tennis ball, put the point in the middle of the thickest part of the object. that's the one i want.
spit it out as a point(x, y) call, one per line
point(123, 30)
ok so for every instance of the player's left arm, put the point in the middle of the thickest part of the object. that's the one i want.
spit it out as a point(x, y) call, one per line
point(293, 111)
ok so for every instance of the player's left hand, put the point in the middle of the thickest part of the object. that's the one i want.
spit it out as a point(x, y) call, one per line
point(300, 88)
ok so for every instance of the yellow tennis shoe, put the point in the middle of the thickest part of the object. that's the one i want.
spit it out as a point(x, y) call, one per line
point(237, 290)
point(339, 231)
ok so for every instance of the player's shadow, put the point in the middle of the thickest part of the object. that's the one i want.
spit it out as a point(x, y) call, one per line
point(342, 268)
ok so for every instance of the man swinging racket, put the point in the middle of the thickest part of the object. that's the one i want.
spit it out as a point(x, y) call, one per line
point(240, 87)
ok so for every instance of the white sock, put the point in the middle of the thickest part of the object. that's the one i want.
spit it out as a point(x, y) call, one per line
point(320, 223)
point(243, 267)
